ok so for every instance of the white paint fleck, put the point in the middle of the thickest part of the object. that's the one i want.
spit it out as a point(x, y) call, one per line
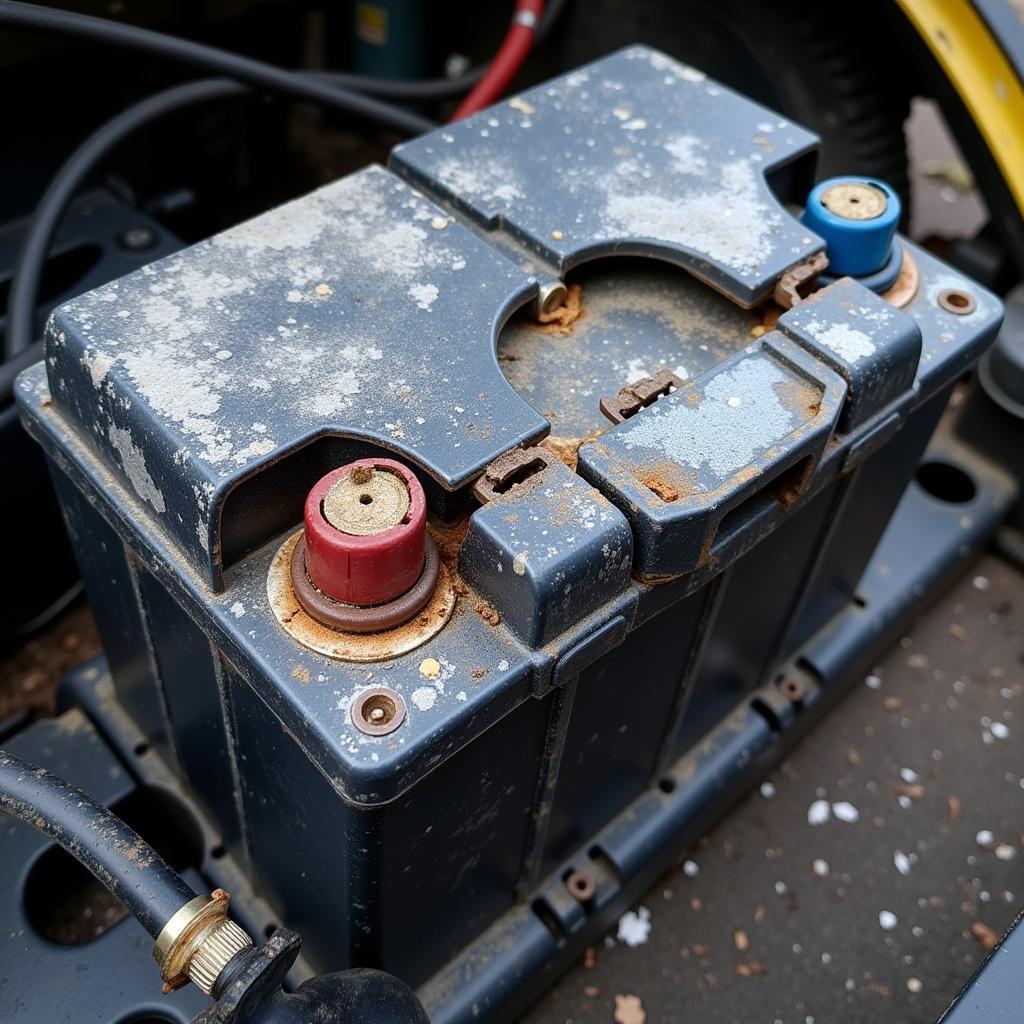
point(820, 868)
point(424, 697)
point(1004, 851)
point(846, 341)
point(691, 868)
point(731, 221)
point(901, 862)
point(908, 775)
point(133, 461)
point(887, 920)
point(424, 295)
point(699, 436)
point(767, 790)
point(845, 811)
point(486, 181)
point(238, 609)
point(818, 813)
point(1000, 731)
point(984, 838)
point(98, 366)
point(687, 152)
point(635, 927)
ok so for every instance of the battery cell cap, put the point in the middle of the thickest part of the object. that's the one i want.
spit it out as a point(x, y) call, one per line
point(365, 532)
point(857, 218)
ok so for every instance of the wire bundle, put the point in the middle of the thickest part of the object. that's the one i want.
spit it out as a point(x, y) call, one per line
point(355, 95)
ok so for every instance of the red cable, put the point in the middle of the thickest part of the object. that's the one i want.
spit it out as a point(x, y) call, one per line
point(514, 49)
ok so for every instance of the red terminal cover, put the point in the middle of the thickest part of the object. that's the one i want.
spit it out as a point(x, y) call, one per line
point(365, 570)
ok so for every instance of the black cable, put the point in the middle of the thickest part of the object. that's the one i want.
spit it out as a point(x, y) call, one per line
point(258, 74)
point(116, 854)
point(20, 349)
point(422, 90)
point(21, 307)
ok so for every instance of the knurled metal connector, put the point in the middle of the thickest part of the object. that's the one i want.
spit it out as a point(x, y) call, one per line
point(221, 944)
point(197, 943)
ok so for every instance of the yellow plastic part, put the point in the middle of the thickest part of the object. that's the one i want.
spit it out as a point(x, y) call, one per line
point(976, 65)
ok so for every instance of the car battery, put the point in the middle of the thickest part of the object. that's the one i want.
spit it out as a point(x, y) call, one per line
point(445, 522)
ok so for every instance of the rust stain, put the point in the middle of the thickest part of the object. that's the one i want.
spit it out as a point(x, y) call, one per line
point(366, 647)
point(301, 673)
point(449, 538)
point(902, 293)
point(567, 449)
point(666, 481)
point(488, 613)
point(662, 488)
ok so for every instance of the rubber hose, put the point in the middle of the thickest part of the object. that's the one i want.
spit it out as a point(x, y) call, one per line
point(116, 854)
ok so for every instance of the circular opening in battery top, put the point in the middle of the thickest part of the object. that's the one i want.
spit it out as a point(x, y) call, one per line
point(379, 710)
point(946, 482)
point(952, 300)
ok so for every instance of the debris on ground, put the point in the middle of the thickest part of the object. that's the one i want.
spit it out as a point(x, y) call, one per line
point(635, 927)
point(629, 1010)
point(988, 938)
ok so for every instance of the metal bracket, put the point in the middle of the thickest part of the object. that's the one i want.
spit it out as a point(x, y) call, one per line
point(516, 466)
point(642, 393)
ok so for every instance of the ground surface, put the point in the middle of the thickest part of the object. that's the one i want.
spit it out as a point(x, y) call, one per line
point(29, 677)
point(777, 919)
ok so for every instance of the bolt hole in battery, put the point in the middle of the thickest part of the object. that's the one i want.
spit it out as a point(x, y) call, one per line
point(581, 885)
point(378, 712)
point(946, 482)
point(952, 300)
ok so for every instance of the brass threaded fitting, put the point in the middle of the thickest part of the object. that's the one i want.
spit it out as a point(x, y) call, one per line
point(222, 942)
point(197, 943)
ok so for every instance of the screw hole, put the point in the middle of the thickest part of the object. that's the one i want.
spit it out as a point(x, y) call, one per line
point(952, 300)
point(218, 851)
point(365, 499)
point(141, 748)
point(580, 885)
point(378, 712)
point(793, 688)
point(667, 785)
point(270, 929)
